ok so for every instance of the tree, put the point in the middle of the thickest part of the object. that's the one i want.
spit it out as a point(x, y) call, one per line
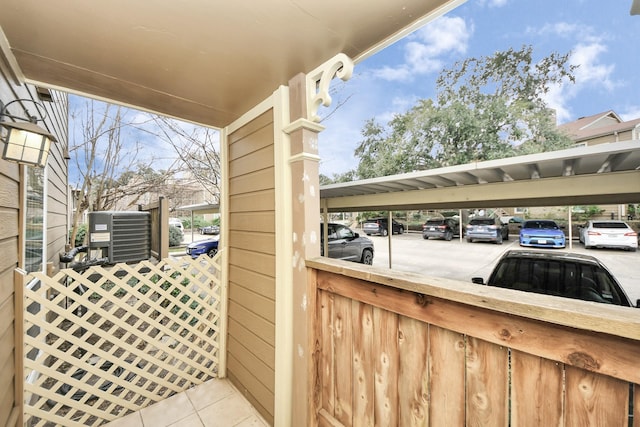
point(196, 147)
point(486, 108)
point(104, 159)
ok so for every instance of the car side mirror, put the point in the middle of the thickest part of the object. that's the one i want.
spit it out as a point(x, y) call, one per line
point(479, 281)
point(356, 235)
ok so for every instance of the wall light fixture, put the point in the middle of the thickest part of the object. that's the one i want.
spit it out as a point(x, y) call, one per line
point(26, 142)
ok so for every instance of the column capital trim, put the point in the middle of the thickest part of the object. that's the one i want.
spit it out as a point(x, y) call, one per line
point(302, 123)
point(304, 156)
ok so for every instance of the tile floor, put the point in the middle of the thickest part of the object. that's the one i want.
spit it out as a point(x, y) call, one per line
point(216, 403)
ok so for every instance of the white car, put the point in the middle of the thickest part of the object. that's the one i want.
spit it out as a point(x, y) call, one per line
point(608, 234)
point(175, 222)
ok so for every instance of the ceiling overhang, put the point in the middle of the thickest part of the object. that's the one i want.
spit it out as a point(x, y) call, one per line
point(198, 60)
point(601, 174)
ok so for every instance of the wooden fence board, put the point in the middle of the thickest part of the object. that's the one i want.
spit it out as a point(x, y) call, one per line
point(327, 354)
point(446, 377)
point(537, 391)
point(385, 349)
point(363, 365)
point(342, 334)
point(413, 392)
point(487, 383)
point(595, 400)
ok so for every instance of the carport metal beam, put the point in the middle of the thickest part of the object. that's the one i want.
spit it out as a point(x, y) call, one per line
point(606, 188)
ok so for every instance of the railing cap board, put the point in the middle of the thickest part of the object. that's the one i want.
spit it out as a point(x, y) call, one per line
point(583, 315)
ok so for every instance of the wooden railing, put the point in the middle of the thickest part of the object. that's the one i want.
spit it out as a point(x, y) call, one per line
point(397, 349)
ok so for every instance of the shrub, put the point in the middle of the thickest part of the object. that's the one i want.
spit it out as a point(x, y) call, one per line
point(80, 235)
point(175, 236)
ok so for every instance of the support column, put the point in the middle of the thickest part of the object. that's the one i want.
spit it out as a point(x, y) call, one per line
point(306, 94)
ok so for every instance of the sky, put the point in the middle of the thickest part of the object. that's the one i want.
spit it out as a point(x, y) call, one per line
point(600, 36)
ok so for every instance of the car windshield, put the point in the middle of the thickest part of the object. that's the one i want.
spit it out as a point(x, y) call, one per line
point(568, 279)
point(609, 225)
point(485, 221)
point(545, 225)
point(435, 222)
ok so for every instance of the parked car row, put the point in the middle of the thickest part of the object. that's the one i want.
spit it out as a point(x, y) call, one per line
point(343, 243)
point(538, 233)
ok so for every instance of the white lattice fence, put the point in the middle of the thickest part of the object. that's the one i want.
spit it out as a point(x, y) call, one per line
point(111, 340)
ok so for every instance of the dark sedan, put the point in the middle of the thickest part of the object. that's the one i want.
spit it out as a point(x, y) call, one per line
point(209, 247)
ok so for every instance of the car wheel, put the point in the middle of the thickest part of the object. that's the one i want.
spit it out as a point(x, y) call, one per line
point(367, 257)
point(448, 236)
point(212, 253)
point(401, 230)
point(368, 234)
point(385, 232)
point(469, 240)
point(425, 237)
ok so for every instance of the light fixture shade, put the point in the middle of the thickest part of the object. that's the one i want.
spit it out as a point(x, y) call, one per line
point(27, 143)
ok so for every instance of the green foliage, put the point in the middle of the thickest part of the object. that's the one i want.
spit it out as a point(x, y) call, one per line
point(583, 213)
point(487, 108)
point(175, 236)
point(80, 235)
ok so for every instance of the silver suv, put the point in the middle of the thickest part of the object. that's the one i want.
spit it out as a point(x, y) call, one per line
point(346, 244)
point(487, 229)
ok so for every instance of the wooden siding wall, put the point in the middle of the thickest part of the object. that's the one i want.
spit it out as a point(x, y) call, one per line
point(10, 211)
point(251, 335)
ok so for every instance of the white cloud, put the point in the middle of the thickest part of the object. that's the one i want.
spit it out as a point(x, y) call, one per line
point(590, 70)
point(630, 113)
point(425, 48)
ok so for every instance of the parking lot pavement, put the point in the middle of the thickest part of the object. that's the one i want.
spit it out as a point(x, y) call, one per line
point(462, 261)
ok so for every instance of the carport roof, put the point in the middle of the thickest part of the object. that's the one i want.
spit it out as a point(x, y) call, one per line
point(201, 208)
point(600, 174)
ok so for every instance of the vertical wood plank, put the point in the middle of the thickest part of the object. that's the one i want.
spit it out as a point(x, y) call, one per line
point(343, 359)
point(18, 324)
point(446, 377)
point(386, 367)
point(636, 405)
point(413, 392)
point(487, 381)
point(363, 365)
point(595, 400)
point(536, 391)
point(327, 366)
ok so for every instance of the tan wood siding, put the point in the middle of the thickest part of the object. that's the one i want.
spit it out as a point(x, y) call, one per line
point(56, 122)
point(252, 263)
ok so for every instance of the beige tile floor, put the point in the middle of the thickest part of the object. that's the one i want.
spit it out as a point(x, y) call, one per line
point(216, 403)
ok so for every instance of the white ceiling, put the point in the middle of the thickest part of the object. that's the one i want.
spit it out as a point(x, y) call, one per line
point(207, 61)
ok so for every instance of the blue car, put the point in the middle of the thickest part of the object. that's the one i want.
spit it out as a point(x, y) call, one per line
point(209, 247)
point(542, 233)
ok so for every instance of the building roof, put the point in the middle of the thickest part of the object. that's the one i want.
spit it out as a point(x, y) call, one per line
point(606, 123)
point(601, 174)
point(204, 61)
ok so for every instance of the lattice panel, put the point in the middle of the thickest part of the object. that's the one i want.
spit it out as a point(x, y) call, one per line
point(112, 340)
